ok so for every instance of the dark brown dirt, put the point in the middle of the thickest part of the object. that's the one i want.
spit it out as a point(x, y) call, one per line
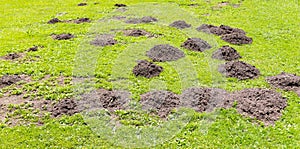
point(82, 4)
point(285, 81)
point(147, 69)
point(81, 20)
point(64, 107)
point(104, 40)
point(196, 44)
point(13, 56)
point(136, 32)
point(147, 19)
point(239, 69)
point(205, 99)
point(180, 24)
point(221, 30)
point(164, 52)
point(159, 102)
point(62, 36)
point(226, 53)
point(262, 104)
point(8, 80)
point(33, 49)
point(237, 38)
point(54, 20)
point(105, 99)
point(120, 5)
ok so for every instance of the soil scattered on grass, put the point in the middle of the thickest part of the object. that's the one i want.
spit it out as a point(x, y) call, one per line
point(147, 69)
point(196, 44)
point(82, 4)
point(239, 70)
point(8, 80)
point(159, 102)
point(285, 81)
point(147, 19)
point(205, 99)
point(54, 20)
point(221, 30)
point(164, 52)
point(81, 20)
point(13, 56)
point(104, 40)
point(33, 49)
point(105, 99)
point(136, 32)
point(62, 36)
point(180, 24)
point(120, 5)
point(226, 53)
point(77, 21)
point(237, 38)
point(262, 104)
point(65, 107)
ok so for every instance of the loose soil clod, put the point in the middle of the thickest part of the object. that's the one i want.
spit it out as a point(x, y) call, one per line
point(196, 44)
point(147, 19)
point(262, 104)
point(180, 24)
point(54, 20)
point(205, 99)
point(285, 81)
point(160, 102)
point(12, 56)
point(239, 70)
point(33, 49)
point(8, 80)
point(226, 53)
point(64, 107)
point(81, 20)
point(164, 52)
point(147, 69)
point(82, 4)
point(237, 38)
point(120, 5)
point(104, 40)
point(63, 36)
point(136, 33)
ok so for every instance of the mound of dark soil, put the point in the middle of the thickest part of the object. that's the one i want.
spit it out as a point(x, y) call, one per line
point(226, 53)
point(262, 104)
point(285, 81)
point(104, 40)
point(64, 107)
point(82, 4)
point(196, 44)
point(81, 20)
point(105, 99)
point(9, 80)
point(147, 69)
point(34, 48)
point(159, 102)
point(136, 32)
point(120, 5)
point(12, 56)
point(239, 69)
point(147, 19)
point(180, 24)
point(237, 38)
point(63, 36)
point(221, 30)
point(54, 20)
point(164, 52)
point(205, 99)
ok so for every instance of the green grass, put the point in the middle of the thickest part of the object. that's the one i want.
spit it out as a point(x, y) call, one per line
point(273, 25)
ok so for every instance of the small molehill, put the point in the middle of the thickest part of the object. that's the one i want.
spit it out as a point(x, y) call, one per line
point(147, 69)
point(54, 20)
point(239, 70)
point(285, 81)
point(64, 107)
point(136, 32)
point(164, 52)
point(8, 80)
point(82, 4)
point(33, 49)
point(262, 104)
point(237, 38)
point(180, 24)
point(81, 20)
point(196, 44)
point(226, 53)
point(147, 19)
point(120, 5)
point(13, 56)
point(63, 36)
point(205, 99)
point(160, 102)
point(221, 30)
point(104, 40)
point(76, 21)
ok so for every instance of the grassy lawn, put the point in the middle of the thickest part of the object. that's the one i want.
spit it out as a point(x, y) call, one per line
point(273, 25)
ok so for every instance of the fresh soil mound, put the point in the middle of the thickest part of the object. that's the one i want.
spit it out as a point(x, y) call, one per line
point(147, 19)
point(104, 40)
point(147, 69)
point(262, 104)
point(136, 33)
point(159, 102)
point(12, 56)
point(81, 20)
point(64, 107)
point(105, 99)
point(180, 24)
point(205, 99)
point(285, 81)
point(237, 38)
point(54, 20)
point(196, 44)
point(221, 30)
point(226, 53)
point(9, 80)
point(63, 36)
point(120, 5)
point(239, 69)
point(82, 4)
point(164, 52)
